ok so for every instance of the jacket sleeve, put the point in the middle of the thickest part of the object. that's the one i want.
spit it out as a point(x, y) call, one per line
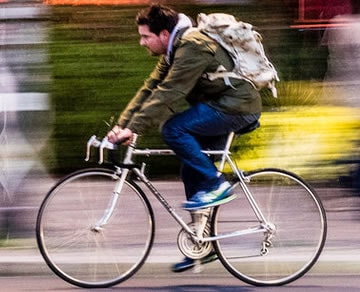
point(190, 61)
point(143, 93)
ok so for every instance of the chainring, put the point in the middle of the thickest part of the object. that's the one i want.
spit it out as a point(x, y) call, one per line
point(189, 247)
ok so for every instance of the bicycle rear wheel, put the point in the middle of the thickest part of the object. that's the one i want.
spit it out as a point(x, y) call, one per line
point(92, 258)
point(296, 216)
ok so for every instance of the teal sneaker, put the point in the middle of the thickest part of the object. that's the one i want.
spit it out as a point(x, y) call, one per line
point(188, 263)
point(209, 199)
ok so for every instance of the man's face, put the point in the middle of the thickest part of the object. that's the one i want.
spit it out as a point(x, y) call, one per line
point(155, 44)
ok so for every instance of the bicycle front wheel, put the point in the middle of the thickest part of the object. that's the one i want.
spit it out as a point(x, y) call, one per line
point(94, 257)
point(284, 249)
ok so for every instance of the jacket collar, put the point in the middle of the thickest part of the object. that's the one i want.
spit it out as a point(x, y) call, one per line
point(184, 23)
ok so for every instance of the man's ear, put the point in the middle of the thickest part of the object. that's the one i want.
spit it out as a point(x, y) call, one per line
point(164, 36)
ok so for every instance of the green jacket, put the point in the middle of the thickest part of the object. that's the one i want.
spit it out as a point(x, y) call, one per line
point(163, 93)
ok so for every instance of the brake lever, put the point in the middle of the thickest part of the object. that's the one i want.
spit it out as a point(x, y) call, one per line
point(93, 141)
point(105, 144)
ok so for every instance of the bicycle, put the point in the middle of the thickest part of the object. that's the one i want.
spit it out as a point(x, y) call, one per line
point(271, 234)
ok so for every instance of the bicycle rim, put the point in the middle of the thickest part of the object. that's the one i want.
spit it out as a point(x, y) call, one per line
point(68, 242)
point(299, 222)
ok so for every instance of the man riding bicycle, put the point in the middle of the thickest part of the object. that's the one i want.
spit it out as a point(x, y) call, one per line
point(215, 106)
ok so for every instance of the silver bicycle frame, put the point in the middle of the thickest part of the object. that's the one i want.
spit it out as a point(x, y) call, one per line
point(131, 150)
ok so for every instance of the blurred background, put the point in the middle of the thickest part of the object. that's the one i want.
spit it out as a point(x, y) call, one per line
point(69, 66)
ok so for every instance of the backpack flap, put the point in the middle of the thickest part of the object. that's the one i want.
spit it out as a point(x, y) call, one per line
point(244, 46)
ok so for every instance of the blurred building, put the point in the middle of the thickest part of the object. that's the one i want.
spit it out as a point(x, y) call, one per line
point(24, 106)
point(342, 83)
point(312, 12)
point(343, 43)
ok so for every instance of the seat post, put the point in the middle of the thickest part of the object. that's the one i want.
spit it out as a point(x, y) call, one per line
point(226, 150)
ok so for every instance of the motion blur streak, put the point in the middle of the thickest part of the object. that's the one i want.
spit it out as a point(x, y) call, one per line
point(24, 110)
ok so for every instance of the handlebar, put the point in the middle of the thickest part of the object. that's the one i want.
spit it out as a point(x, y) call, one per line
point(103, 144)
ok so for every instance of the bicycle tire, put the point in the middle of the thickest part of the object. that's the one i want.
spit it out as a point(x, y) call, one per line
point(80, 255)
point(301, 227)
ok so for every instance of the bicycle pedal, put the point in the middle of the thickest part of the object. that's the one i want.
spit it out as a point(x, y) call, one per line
point(97, 229)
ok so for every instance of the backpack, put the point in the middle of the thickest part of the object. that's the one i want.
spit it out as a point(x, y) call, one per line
point(244, 46)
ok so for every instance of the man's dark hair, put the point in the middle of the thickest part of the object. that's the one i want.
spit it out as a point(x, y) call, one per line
point(158, 18)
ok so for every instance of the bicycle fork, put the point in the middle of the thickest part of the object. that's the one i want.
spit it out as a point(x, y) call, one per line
point(112, 203)
point(118, 186)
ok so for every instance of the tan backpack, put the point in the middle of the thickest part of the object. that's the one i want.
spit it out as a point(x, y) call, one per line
point(244, 46)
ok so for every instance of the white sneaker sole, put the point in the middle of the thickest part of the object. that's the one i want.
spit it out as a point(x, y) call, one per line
point(220, 202)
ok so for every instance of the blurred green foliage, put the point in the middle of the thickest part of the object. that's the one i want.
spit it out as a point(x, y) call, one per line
point(97, 65)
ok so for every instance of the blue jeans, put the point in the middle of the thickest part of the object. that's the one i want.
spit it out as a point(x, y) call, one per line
point(201, 127)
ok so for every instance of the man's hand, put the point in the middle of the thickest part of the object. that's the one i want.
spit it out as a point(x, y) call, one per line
point(117, 134)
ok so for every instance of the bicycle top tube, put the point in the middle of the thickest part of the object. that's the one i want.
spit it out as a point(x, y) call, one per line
point(105, 144)
point(132, 150)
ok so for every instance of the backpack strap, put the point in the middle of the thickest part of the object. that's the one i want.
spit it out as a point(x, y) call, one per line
point(222, 73)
